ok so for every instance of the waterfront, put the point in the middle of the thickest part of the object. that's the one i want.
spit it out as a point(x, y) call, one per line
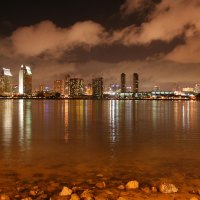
point(77, 139)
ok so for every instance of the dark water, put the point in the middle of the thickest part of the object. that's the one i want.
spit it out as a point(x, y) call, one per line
point(80, 138)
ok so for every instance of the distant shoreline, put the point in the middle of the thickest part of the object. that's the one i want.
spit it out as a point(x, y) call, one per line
point(143, 99)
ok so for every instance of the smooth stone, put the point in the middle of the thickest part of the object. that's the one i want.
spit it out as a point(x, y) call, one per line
point(194, 198)
point(121, 187)
point(146, 190)
point(132, 185)
point(33, 193)
point(87, 194)
point(168, 188)
point(75, 197)
point(4, 197)
point(101, 185)
point(65, 191)
point(99, 175)
point(154, 189)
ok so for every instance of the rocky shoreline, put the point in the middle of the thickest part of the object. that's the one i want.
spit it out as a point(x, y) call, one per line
point(99, 188)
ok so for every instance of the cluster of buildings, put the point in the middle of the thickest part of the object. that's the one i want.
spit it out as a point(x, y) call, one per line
point(75, 88)
point(69, 87)
point(25, 82)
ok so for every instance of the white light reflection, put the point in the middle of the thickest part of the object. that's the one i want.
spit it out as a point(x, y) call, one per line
point(7, 123)
point(113, 116)
point(25, 122)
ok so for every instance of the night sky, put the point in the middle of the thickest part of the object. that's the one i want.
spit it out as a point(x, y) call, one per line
point(159, 40)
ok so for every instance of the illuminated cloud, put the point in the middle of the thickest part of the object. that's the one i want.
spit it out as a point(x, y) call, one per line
point(186, 53)
point(131, 5)
point(46, 36)
point(170, 19)
point(166, 43)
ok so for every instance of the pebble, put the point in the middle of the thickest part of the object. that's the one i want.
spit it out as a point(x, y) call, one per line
point(87, 194)
point(65, 191)
point(168, 188)
point(132, 185)
point(33, 193)
point(146, 190)
point(154, 189)
point(101, 185)
point(121, 187)
point(4, 197)
point(194, 198)
point(74, 197)
point(99, 175)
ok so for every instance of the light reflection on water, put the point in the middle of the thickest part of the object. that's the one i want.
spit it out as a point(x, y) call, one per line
point(80, 136)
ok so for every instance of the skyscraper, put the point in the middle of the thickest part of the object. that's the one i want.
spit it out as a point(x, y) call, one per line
point(76, 87)
point(97, 88)
point(5, 82)
point(67, 87)
point(59, 86)
point(123, 83)
point(135, 82)
point(25, 80)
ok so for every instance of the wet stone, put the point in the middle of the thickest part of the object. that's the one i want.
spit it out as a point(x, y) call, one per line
point(33, 193)
point(194, 198)
point(74, 197)
point(121, 187)
point(65, 191)
point(4, 197)
point(101, 185)
point(99, 175)
point(132, 185)
point(168, 188)
point(146, 189)
point(154, 189)
point(87, 194)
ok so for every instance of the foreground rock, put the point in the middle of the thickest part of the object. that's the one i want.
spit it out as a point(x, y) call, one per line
point(132, 185)
point(168, 188)
point(87, 194)
point(66, 191)
point(4, 197)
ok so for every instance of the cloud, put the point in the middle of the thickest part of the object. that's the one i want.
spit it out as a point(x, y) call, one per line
point(169, 20)
point(186, 53)
point(131, 5)
point(47, 37)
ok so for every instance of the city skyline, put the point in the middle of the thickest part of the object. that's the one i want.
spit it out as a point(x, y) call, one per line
point(159, 40)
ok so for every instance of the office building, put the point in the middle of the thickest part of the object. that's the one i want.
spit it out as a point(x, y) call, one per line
point(59, 86)
point(5, 82)
point(25, 80)
point(135, 83)
point(76, 87)
point(123, 83)
point(88, 89)
point(97, 88)
point(67, 85)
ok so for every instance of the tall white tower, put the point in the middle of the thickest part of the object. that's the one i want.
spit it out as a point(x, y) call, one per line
point(25, 80)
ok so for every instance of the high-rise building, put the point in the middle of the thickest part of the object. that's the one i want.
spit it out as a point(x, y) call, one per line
point(97, 88)
point(59, 86)
point(76, 87)
point(123, 83)
point(5, 82)
point(88, 89)
point(67, 85)
point(197, 88)
point(135, 82)
point(25, 80)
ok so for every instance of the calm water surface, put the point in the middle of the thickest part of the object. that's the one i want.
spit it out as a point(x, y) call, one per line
point(78, 138)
